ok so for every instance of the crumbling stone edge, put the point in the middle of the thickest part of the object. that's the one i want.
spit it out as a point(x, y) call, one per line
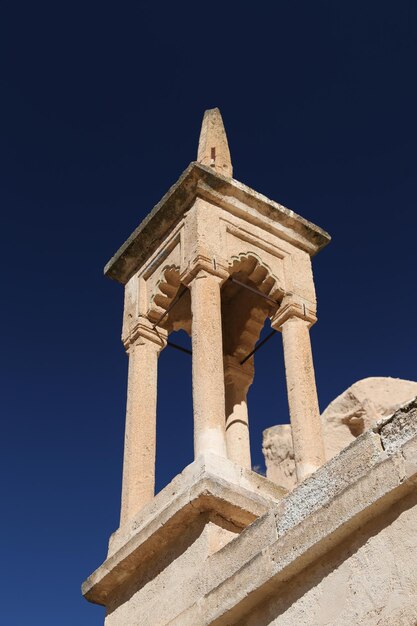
point(397, 428)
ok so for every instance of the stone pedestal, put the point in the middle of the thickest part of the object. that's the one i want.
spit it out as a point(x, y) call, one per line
point(156, 562)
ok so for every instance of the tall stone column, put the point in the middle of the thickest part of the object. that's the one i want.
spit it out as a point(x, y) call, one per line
point(207, 368)
point(301, 388)
point(238, 379)
point(140, 432)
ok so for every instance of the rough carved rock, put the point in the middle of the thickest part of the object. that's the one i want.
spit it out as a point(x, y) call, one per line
point(360, 406)
point(279, 455)
point(348, 416)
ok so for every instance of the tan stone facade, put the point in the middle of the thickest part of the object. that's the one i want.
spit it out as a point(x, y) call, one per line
point(220, 544)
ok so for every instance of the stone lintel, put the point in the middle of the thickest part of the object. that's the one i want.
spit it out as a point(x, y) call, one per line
point(201, 181)
point(211, 485)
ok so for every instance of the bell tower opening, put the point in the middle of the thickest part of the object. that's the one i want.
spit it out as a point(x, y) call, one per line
point(249, 297)
point(174, 426)
point(170, 310)
point(267, 396)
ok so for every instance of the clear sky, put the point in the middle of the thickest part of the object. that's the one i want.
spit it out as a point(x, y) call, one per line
point(101, 106)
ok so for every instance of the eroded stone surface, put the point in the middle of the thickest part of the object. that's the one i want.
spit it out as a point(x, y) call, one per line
point(356, 410)
point(396, 432)
point(279, 455)
point(360, 407)
point(368, 580)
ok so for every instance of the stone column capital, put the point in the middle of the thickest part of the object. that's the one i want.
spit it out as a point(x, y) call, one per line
point(143, 329)
point(234, 371)
point(292, 307)
point(202, 266)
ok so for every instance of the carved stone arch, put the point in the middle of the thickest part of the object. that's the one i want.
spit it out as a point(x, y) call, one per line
point(257, 273)
point(167, 288)
point(244, 312)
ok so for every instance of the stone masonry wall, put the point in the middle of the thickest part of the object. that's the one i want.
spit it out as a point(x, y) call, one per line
point(369, 580)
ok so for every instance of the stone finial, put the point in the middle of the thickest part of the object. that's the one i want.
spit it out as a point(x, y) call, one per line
point(213, 149)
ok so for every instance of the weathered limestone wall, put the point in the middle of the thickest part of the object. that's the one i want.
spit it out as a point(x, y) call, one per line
point(161, 591)
point(338, 551)
point(369, 580)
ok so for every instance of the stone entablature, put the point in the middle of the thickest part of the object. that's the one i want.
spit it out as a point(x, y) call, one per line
point(235, 198)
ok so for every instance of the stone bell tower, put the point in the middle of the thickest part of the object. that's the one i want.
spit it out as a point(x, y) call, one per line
point(214, 258)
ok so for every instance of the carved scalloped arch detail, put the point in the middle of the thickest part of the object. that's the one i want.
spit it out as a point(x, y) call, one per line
point(249, 264)
point(258, 272)
point(165, 290)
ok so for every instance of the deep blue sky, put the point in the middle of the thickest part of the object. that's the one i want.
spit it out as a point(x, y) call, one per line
point(100, 112)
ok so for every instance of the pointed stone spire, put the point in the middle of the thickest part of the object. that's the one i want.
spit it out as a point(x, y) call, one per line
point(213, 149)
